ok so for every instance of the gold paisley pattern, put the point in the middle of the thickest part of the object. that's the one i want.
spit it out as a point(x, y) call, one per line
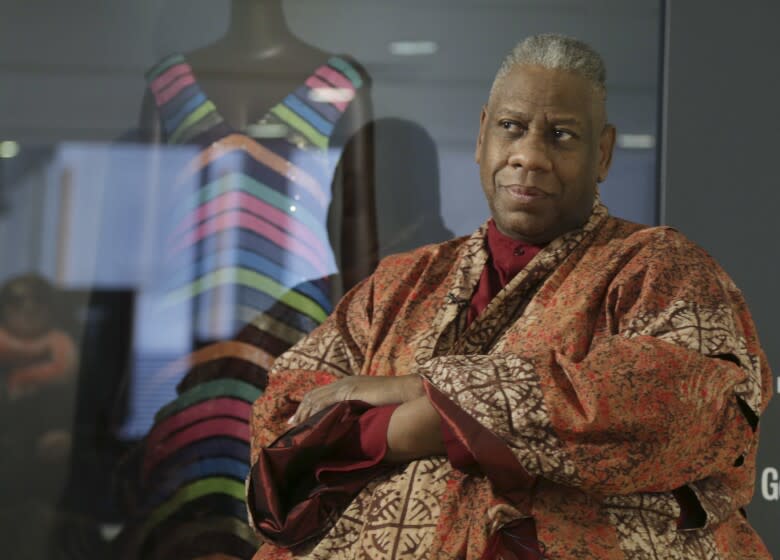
point(321, 353)
point(716, 499)
point(647, 528)
point(392, 518)
point(503, 392)
point(708, 329)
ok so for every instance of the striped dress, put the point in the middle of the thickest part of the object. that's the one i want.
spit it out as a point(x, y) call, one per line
point(246, 249)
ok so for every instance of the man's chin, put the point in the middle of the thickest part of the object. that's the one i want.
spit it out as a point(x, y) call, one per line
point(524, 228)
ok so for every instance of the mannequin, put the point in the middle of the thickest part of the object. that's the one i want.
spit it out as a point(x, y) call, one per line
point(255, 65)
point(197, 440)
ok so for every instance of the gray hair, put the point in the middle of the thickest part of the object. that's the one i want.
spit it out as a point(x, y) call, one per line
point(558, 52)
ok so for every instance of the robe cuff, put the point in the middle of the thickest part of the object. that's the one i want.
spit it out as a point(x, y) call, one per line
point(304, 480)
point(362, 447)
point(516, 541)
point(493, 456)
point(457, 453)
point(373, 431)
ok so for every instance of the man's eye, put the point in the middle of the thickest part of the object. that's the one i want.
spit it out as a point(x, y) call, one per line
point(508, 125)
point(559, 134)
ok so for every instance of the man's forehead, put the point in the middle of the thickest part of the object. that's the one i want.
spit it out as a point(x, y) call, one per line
point(532, 89)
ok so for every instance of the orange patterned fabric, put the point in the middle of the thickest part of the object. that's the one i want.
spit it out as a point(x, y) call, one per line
point(618, 366)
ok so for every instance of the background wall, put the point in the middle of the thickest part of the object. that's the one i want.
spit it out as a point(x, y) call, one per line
point(720, 179)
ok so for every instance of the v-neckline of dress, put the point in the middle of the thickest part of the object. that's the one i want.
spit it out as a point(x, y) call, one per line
point(266, 114)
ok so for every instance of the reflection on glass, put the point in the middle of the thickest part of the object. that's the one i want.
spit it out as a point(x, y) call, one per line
point(256, 189)
point(246, 261)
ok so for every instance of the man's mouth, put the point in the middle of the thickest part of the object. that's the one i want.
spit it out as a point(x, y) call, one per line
point(525, 193)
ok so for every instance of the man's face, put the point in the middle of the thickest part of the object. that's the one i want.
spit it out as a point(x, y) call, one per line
point(542, 148)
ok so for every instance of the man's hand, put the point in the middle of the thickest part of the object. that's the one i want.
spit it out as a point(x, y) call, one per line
point(375, 391)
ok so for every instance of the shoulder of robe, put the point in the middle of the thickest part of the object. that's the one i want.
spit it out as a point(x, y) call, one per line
point(667, 251)
point(446, 251)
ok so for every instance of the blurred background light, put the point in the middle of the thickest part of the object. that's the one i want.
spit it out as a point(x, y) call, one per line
point(413, 48)
point(9, 149)
point(636, 141)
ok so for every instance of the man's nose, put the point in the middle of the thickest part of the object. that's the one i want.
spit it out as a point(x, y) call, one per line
point(530, 153)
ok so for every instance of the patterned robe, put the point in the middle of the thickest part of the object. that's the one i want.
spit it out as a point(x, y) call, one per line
point(621, 365)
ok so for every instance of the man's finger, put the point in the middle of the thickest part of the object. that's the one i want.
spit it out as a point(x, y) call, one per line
point(316, 400)
point(300, 414)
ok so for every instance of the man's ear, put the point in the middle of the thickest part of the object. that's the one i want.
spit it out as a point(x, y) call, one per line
point(606, 147)
point(482, 119)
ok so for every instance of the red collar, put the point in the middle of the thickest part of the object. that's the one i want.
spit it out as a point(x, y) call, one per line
point(509, 256)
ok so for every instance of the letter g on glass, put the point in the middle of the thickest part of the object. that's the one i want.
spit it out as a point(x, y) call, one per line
point(770, 484)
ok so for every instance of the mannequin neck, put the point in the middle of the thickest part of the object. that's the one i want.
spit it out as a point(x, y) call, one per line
point(258, 28)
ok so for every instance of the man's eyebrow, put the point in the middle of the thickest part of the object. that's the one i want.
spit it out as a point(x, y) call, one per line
point(523, 116)
point(566, 120)
point(514, 113)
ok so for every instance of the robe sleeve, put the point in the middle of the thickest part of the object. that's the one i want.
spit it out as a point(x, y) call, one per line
point(330, 352)
point(303, 480)
point(669, 394)
point(302, 476)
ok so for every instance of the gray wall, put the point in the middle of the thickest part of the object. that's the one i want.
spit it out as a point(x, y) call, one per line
point(720, 181)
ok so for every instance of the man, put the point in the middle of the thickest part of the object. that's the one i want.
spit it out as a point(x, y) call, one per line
point(560, 384)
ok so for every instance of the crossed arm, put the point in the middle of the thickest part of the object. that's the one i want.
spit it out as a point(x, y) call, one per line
point(414, 430)
point(657, 403)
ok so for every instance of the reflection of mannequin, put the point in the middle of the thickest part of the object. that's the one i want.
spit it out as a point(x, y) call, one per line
point(407, 166)
point(256, 64)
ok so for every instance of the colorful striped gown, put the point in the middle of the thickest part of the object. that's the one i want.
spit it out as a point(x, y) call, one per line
point(247, 249)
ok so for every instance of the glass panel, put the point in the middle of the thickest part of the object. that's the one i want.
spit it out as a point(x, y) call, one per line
point(189, 172)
